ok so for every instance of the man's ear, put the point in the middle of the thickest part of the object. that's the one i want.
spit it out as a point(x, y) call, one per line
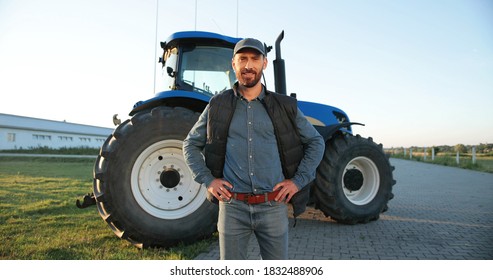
point(265, 62)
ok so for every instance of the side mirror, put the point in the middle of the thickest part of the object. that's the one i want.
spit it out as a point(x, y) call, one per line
point(171, 72)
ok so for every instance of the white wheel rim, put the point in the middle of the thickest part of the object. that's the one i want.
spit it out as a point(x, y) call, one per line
point(371, 181)
point(149, 192)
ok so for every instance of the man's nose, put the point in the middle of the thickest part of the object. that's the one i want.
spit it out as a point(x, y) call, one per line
point(248, 64)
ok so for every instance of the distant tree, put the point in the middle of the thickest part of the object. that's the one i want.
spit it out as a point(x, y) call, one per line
point(484, 148)
point(481, 148)
point(489, 148)
point(460, 148)
point(429, 151)
point(446, 149)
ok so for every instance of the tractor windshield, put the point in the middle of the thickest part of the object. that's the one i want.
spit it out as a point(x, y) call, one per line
point(205, 69)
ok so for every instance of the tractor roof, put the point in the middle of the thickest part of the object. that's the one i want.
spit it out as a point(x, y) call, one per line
point(202, 37)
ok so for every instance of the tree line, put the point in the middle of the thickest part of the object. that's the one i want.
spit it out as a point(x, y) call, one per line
point(445, 149)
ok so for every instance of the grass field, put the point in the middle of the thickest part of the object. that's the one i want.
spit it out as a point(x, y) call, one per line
point(483, 163)
point(39, 219)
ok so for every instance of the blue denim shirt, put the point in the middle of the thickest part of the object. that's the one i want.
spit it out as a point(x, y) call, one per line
point(252, 163)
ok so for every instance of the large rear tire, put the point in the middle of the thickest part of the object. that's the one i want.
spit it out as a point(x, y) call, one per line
point(354, 180)
point(143, 187)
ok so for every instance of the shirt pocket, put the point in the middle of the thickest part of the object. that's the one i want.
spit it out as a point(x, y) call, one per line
point(264, 132)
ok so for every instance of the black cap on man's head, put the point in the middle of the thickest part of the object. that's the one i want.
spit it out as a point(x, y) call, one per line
point(250, 43)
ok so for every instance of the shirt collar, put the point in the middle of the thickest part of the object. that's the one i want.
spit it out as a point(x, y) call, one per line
point(238, 94)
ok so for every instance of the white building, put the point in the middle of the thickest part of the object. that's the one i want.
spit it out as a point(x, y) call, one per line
point(18, 132)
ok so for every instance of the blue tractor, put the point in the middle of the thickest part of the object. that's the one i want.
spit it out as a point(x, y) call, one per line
point(144, 190)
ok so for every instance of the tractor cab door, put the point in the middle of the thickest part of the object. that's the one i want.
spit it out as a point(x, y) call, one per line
point(198, 68)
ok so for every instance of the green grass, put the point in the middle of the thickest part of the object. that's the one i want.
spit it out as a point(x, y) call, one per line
point(483, 163)
point(39, 219)
point(73, 168)
point(59, 151)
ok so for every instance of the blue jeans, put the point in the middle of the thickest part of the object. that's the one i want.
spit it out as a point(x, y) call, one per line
point(268, 221)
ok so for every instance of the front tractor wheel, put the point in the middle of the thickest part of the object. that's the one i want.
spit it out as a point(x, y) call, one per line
point(354, 180)
point(162, 184)
point(143, 187)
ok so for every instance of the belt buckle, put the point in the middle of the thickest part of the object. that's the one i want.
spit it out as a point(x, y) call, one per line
point(247, 198)
point(257, 198)
point(244, 197)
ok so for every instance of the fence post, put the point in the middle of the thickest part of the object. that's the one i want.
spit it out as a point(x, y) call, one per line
point(424, 153)
point(457, 158)
point(405, 152)
point(474, 155)
point(410, 153)
point(433, 153)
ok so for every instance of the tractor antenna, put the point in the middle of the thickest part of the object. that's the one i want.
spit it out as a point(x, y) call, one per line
point(195, 15)
point(237, 15)
point(155, 45)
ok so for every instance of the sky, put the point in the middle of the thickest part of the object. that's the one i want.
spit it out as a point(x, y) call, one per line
point(416, 73)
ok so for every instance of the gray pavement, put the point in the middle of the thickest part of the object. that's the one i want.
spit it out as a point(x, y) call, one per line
point(438, 213)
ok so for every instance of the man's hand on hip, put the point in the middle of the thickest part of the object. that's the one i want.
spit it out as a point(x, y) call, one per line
point(219, 188)
point(287, 190)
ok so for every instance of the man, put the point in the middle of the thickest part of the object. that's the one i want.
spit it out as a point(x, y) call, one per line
point(258, 152)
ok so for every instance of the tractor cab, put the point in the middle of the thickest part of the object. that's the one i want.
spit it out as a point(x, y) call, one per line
point(201, 65)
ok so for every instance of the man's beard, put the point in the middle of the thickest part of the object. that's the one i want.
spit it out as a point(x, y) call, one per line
point(249, 82)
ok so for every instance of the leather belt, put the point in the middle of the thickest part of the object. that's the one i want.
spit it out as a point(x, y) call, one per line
point(251, 198)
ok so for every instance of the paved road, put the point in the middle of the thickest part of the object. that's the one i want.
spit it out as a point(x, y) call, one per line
point(438, 212)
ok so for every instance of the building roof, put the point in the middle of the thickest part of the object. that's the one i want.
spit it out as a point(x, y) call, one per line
point(28, 123)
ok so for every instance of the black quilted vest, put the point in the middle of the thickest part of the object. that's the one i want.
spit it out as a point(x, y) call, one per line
point(282, 111)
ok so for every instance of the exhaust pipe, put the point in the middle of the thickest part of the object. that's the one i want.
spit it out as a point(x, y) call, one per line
point(279, 68)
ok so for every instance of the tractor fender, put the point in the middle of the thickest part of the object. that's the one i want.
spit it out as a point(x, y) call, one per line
point(328, 131)
point(174, 98)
